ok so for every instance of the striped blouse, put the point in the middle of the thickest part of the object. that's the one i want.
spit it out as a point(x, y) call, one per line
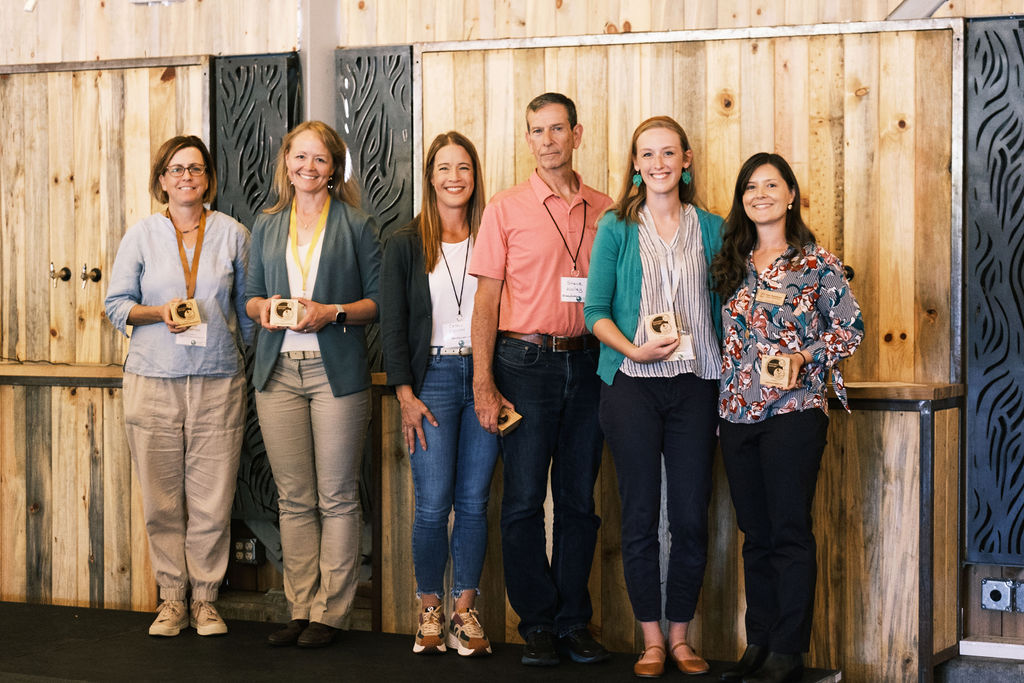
point(681, 260)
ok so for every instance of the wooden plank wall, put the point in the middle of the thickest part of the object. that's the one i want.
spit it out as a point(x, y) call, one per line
point(87, 30)
point(74, 174)
point(386, 22)
point(71, 531)
point(864, 119)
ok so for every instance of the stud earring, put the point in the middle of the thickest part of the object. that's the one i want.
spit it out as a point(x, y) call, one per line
point(789, 207)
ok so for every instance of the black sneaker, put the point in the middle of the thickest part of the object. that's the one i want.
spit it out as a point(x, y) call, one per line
point(540, 649)
point(582, 648)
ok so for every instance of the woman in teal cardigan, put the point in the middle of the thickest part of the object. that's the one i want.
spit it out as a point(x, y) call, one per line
point(311, 378)
point(649, 301)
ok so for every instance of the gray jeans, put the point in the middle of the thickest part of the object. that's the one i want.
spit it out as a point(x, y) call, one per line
point(314, 443)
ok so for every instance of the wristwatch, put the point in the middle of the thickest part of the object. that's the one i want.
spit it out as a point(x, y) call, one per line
point(342, 315)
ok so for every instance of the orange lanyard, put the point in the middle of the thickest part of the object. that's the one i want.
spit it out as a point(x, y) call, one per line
point(293, 236)
point(191, 272)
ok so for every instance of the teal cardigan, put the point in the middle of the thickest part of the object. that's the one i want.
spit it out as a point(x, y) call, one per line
point(613, 283)
point(348, 270)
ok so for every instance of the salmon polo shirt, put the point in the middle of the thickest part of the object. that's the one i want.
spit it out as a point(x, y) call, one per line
point(519, 243)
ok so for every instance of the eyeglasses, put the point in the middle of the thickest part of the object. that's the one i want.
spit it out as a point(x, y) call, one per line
point(195, 170)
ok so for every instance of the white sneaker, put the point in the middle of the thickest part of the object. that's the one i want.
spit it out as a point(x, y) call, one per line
point(205, 619)
point(170, 619)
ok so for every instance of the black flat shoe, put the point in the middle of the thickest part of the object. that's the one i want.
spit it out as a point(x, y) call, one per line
point(317, 635)
point(289, 634)
point(778, 668)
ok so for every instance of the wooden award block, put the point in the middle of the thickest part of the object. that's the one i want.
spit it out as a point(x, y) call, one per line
point(775, 371)
point(285, 312)
point(508, 420)
point(185, 313)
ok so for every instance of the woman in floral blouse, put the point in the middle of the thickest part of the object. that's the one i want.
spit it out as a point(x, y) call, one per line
point(785, 297)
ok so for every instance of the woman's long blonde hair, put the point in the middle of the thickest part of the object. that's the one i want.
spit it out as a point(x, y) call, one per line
point(430, 217)
point(343, 190)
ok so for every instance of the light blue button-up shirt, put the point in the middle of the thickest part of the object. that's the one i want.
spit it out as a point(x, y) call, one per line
point(148, 271)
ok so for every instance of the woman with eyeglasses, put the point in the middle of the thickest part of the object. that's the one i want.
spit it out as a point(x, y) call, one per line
point(316, 247)
point(184, 379)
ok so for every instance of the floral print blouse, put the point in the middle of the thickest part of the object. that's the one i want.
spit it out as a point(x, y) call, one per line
point(819, 315)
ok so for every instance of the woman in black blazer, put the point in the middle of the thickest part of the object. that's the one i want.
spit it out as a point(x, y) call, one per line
point(426, 309)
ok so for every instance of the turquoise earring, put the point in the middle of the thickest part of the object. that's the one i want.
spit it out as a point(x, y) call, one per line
point(637, 179)
point(687, 177)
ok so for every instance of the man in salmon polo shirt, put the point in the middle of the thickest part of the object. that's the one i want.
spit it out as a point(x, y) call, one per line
point(532, 352)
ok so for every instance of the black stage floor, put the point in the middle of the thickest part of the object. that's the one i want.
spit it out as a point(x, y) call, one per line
point(41, 642)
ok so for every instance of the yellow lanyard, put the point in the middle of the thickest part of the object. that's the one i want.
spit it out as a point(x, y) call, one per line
point(191, 273)
point(293, 235)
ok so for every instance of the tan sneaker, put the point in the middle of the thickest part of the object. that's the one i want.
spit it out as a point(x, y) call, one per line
point(170, 619)
point(205, 619)
point(466, 635)
point(430, 636)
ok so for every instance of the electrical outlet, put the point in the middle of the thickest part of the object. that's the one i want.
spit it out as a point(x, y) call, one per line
point(997, 594)
point(246, 551)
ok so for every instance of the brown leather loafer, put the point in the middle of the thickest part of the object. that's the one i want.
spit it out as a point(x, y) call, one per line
point(316, 635)
point(650, 669)
point(289, 634)
point(691, 666)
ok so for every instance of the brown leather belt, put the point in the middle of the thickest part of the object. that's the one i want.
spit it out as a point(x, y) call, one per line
point(550, 342)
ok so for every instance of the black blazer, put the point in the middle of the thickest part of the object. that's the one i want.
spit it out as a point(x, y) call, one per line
point(406, 318)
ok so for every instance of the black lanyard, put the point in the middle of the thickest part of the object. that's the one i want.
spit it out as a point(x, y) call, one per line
point(568, 226)
point(465, 267)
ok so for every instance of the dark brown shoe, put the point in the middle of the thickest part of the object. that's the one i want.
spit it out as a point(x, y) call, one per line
point(778, 668)
point(317, 635)
point(289, 634)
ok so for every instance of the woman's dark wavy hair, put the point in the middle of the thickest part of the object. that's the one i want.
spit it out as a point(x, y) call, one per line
point(739, 235)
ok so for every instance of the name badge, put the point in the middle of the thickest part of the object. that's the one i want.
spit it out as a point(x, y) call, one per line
point(193, 336)
point(456, 333)
point(685, 349)
point(770, 297)
point(574, 289)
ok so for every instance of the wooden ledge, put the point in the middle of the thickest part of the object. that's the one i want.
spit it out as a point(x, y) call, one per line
point(61, 374)
point(902, 391)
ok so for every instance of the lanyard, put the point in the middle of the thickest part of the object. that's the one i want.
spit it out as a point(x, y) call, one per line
point(671, 271)
point(191, 273)
point(583, 234)
point(465, 268)
point(293, 235)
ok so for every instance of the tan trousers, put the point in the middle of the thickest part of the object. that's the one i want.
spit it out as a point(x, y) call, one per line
point(185, 435)
point(314, 442)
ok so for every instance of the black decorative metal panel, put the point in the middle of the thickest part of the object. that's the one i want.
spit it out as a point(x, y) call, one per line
point(374, 115)
point(994, 226)
point(256, 100)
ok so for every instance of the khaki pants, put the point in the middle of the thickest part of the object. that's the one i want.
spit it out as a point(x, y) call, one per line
point(185, 435)
point(314, 443)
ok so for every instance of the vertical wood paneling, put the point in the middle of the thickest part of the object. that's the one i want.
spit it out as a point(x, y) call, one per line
point(946, 534)
point(724, 108)
point(503, 120)
point(34, 245)
point(88, 157)
point(12, 211)
point(932, 169)
point(896, 198)
point(39, 500)
point(117, 511)
point(861, 187)
point(398, 587)
point(757, 122)
point(688, 97)
point(592, 100)
point(824, 185)
point(13, 508)
point(792, 121)
point(65, 498)
point(62, 123)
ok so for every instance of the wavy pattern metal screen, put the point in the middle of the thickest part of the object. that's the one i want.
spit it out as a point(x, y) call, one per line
point(995, 298)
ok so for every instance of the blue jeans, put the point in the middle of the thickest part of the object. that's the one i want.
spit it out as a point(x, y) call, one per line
point(557, 395)
point(454, 471)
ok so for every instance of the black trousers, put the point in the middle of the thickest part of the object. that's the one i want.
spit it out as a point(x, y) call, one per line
point(772, 468)
point(646, 420)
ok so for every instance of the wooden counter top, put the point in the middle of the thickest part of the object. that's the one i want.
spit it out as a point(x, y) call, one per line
point(907, 391)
